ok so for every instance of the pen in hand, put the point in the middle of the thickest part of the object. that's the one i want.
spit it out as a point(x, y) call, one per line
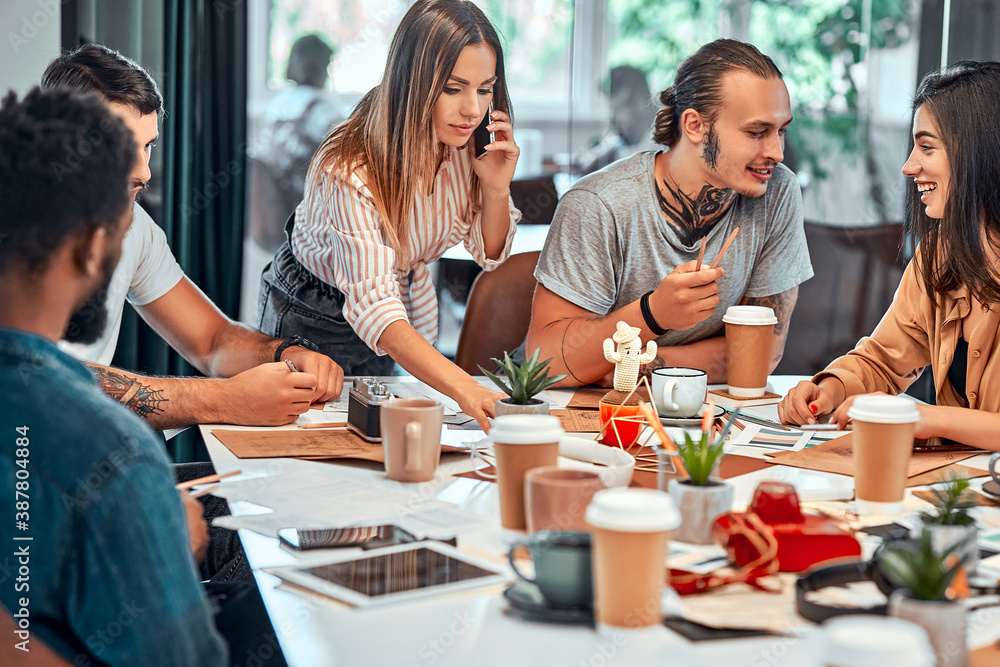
point(291, 366)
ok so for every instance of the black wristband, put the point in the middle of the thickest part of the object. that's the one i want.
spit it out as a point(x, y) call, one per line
point(295, 341)
point(647, 315)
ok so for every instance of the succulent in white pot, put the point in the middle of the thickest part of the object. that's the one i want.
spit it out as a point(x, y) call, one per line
point(524, 381)
point(702, 496)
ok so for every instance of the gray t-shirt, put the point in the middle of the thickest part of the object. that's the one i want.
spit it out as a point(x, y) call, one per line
point(609, 244)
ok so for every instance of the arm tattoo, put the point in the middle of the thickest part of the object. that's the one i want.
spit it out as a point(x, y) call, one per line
point(782, 304)
point(657, 362)
point(692, 217)
point(141, 399)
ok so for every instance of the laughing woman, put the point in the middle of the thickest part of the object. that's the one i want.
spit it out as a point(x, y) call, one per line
point(946, 313)
point(389, 191)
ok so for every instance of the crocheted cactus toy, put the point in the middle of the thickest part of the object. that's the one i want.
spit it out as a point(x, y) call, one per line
point(628, 355)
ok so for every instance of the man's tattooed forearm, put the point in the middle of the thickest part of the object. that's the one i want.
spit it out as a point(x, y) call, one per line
point(782, 304)
point(137, 397)
point(692, 217)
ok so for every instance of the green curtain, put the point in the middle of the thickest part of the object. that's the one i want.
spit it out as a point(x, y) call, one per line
point(204, 158)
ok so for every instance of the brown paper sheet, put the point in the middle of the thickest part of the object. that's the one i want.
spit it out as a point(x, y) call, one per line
point(590, 397)
point(314, 443)
point(980, 499)
point(578, 421)
point(837, 456)
point(943, 474)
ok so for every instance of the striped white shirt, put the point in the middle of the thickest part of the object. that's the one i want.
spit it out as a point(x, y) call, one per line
point(338, 237)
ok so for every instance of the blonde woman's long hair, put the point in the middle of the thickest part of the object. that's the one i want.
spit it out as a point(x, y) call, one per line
point(389, 138)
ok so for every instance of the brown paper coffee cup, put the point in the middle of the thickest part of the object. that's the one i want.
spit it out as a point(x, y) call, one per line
point(883, 441)
point(631, 530)
point(514, 460)
point(749, 332)
point(520, 443)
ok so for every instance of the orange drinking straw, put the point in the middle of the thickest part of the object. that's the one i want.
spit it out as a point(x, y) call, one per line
point(668, 444)
point(701, 253)
point(708, 416)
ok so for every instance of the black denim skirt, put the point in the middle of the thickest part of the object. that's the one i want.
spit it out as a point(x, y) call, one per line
point(294, 301)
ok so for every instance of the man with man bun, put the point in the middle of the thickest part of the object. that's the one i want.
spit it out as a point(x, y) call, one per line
point(625, 240)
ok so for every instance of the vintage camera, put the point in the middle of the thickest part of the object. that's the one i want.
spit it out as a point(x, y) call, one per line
point(364, 402)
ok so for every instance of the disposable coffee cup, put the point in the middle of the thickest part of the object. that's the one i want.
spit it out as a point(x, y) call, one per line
point(631, 529)
point(749, 331)
point(520, 443)
point(875, 641)
point(883, 441)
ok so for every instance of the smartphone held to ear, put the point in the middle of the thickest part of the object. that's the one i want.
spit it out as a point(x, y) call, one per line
point(481, 137)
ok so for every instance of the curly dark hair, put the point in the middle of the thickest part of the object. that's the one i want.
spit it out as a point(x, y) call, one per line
point(65, 162)
point(963, 102)
point(111, 75)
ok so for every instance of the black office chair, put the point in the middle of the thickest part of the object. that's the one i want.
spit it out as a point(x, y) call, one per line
point(536, 198)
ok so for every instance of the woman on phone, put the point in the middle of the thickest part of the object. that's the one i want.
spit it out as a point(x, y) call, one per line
point(946, 312)
point(389, 191)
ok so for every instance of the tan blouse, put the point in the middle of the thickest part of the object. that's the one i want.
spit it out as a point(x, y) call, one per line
point(913, 334)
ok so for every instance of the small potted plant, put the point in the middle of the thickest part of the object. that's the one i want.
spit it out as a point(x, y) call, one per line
point(930, 586)
point(701, 497)
point(525, 381)
point(949, 520)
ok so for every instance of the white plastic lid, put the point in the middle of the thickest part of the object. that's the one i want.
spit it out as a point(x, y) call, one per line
point(749, 315)
point(883, 410)
point(526, 429)
point(633, 510)
point(876, 641)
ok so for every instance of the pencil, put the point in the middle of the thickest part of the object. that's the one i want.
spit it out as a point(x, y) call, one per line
point(701, 253)
point(324, 425)
point(208, 479)
point(725, 247)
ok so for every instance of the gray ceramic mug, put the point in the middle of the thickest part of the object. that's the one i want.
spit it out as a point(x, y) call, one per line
point(562, 567)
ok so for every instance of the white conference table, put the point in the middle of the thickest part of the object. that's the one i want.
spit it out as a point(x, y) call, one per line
point(472, 627)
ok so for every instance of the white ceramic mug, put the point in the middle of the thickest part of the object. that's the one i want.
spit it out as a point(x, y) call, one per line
point(679, 392)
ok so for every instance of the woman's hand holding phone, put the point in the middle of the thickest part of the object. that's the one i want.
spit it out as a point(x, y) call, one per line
point(496, 169)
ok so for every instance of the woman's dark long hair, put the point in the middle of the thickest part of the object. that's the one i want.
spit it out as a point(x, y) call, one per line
point(964, 101)
point(389, 135)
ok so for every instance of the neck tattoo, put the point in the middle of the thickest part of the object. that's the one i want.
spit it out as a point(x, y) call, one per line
point(692, 217)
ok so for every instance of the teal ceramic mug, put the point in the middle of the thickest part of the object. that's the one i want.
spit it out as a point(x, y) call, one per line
point(562, 567)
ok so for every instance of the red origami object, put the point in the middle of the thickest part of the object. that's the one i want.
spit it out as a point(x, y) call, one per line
point(803, 539)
